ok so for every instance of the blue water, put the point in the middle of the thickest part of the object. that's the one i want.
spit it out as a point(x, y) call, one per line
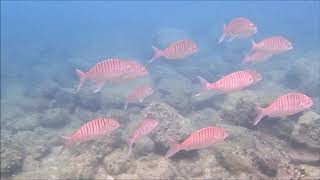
point(42, 43)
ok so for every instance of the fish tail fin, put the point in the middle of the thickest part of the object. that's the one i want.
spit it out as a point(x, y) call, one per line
point(157, 53)
point(259, 117)
point(204, 85)
point(223, 34)
point(130, 143)
point(66, 143)
point(82, 77)
point(254, 45)
point(174, 148)
point(125, 106)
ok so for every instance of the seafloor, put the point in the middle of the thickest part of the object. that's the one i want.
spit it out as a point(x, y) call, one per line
point(35, 114)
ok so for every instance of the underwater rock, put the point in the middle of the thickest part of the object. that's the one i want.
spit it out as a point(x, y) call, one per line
point(117, 162)
point(307, 130)
point(54, 118)
point(101, 174)
point(176, 92)
point(83, 166)
point(91, 102)
point(143, 147)
point(154, 167)
point(304, 73)
point(12, 157)
point(27, 122)
point(172, 125)
point(241, 114)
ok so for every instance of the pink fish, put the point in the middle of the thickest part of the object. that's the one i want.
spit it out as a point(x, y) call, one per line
point(258, 56)
point(274, 45)
point(93, 129)
point(235, 81)
point(202, 138)
point(138, 94)
point(239, 27)
point(285, 105)
point(112, 70)
point(144, 128)
point(176, 50)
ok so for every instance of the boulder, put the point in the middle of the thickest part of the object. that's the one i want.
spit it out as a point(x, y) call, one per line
point(307, 130)
point(172, 125)
point(117, 162)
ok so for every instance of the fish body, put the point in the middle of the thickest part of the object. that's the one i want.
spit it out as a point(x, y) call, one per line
point(239, 27)
point(258, 56)
point(93, 129)
point(235, 81)
point(177, 50)
point(274, 45)
point(145, 127)
point(138, 94)
point(285, 105)
point(112, 70)
point(201, 138)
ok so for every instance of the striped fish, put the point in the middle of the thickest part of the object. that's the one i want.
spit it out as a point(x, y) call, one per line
point(145, 127)
point(232, 82)
point(274, 45)
point(91, 130)
point(258, 56)
point(285, 105)
point(176, 50)
point(138, 95)
point(239, 27)
point(112, 70)
point(202, 138)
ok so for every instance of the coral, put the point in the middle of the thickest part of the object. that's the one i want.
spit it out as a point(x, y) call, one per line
point(172, 125)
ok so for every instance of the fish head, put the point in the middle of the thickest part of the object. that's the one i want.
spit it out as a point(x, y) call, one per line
point(254, 76)
point(225, 134)
point(306, 102)
point(136, 70)
point(288, 46)
point(253, 28)
point(114, 125)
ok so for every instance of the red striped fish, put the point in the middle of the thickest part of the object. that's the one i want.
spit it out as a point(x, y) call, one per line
point(112, 70)
point(138, 95)
point(258, 56)
point(93, 129)
point(274, 45)
point(285, 105)
point(145, 127)
point(202, 138)
point(235, 81)
point(239, 27)
point(176, 50)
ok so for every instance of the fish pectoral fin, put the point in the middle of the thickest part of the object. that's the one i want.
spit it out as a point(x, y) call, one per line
point(232, 38)
point(99, 85)
point(141, 100)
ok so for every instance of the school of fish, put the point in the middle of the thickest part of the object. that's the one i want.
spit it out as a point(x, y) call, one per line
point(121, 70)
